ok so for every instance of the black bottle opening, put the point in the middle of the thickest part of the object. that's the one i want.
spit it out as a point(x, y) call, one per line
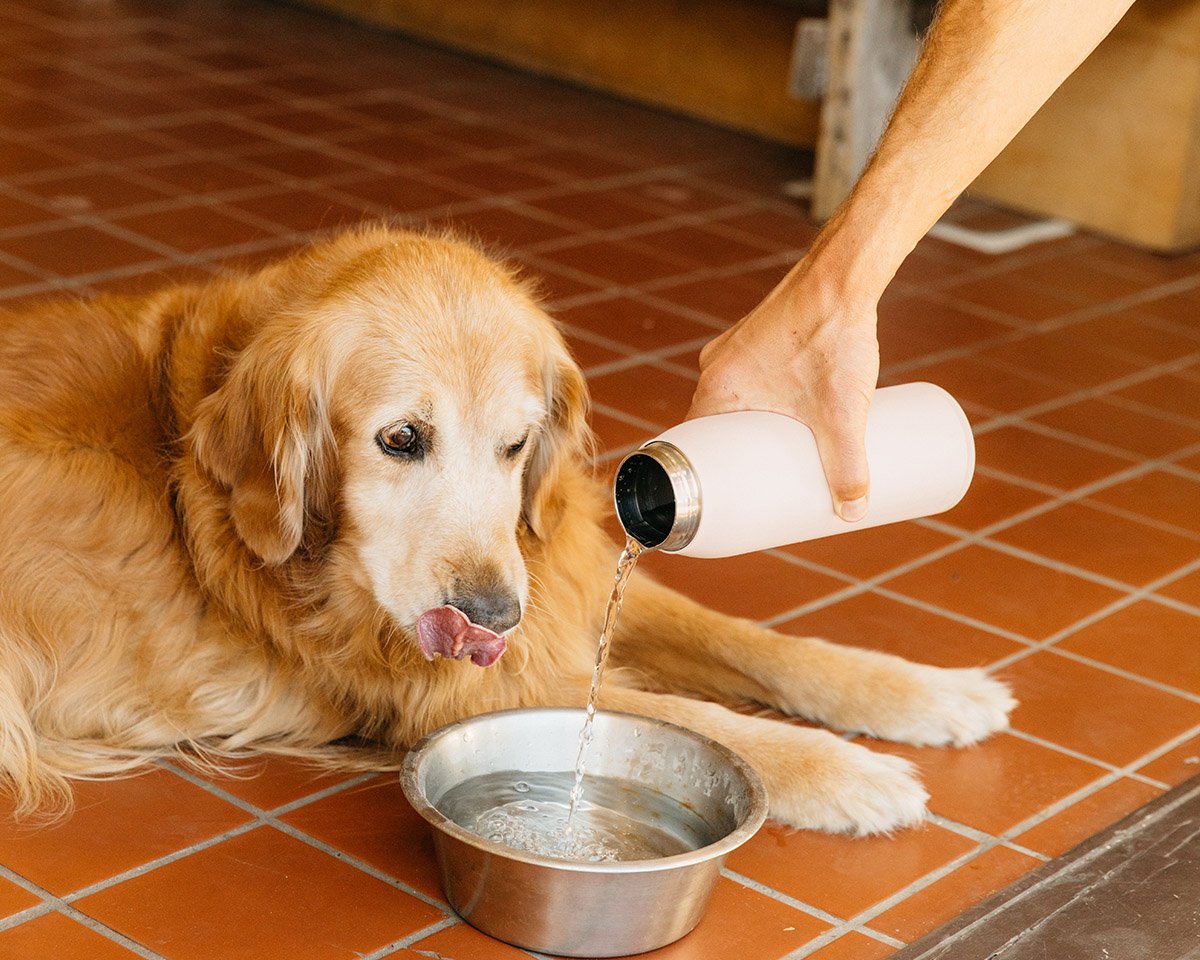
point(645, 499)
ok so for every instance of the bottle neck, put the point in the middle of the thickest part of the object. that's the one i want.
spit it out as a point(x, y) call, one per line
point(657, 497)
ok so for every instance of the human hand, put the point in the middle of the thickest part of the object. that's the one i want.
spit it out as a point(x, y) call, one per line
point(808, 351)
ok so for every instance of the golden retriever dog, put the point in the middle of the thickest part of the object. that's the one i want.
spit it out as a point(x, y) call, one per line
point(350, 495)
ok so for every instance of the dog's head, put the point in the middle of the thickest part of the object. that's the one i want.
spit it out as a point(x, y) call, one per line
point(395, 410)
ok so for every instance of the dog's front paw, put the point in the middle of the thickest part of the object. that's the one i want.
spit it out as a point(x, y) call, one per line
point(842, 787)
point(946, 706)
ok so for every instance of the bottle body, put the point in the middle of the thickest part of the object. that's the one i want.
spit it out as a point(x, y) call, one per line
point(749, 480)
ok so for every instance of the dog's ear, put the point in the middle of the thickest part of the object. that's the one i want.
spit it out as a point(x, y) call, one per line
point(265, 434)
point(565, 438)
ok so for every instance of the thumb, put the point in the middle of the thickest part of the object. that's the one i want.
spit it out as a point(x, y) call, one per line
point(843, 453)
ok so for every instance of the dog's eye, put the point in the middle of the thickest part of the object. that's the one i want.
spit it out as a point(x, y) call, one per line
point(515, 448)
point(402, 440)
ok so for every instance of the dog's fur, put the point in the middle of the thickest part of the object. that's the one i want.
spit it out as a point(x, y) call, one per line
point(203, 548)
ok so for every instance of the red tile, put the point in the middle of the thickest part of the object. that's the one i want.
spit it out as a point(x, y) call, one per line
point(725, 299)
point(96, 842)
point(756, 585)
point(552, 285)
point(602, 209)
point(1185, 589)
point(375, 823)
point(1005, 591)
point(75, 250)
point(261, 894)
point(503, 227)
point(622, 261)
point(1124, 331)
point(701, 246)
point(1076, 276)
point(14, 899)
point(1043, 459)
point(1103, 543)
point(788, 230)
point(1062, 355)
point(647, 392)
point(1011, 297)
point(568, 164)
point(216, 135)
point(310, 122)
point(1146, 638)
point(459, 942)
point(204, 176)
point(302, 210)
point(1087, 817)
point(27, 114)
point(613, 434)
point(303, 163)
point(495, 177)
point(589, 354)
point(122, 146)
point(18, 213)
point(868, 553)
point(636, 324)
point(1142, 264)
point(194, 229)
point(989, 501)
point(1162, 496)
point(949, 896)
point(913, 326)
point(54, 935)
point(1172, 393)
point(854, 946)
point(403, 193)
point(880, 623)
point(1175, 766)
point(1180, 308)
point(1106, 422)
point(997, 784)
point(81, 193)
point(679, 195)
point(271, 781)
point(1093, 711)
point(741, 922)
point(405, 148)
point(844, 875)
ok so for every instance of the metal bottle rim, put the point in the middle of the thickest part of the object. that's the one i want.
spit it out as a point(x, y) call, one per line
point(684, 485)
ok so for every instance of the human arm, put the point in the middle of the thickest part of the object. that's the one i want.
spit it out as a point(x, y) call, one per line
point(809, 349)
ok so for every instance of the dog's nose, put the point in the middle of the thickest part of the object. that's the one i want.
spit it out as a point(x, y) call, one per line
point(497, 610)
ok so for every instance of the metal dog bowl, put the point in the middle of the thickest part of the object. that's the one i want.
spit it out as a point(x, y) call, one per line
point(584, 909)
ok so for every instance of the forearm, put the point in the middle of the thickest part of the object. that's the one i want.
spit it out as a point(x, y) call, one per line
point(986, 68)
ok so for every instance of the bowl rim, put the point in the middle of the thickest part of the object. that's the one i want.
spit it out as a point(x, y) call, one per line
point(755, 817)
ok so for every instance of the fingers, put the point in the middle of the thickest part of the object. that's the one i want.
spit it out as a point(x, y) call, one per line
point(841, 442)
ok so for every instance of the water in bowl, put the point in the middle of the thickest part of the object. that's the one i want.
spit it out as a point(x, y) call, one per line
point(618, 820)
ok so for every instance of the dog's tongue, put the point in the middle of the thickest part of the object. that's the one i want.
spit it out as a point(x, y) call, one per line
point(447, 632)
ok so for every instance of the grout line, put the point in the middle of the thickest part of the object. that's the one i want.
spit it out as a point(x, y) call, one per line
point(52, 903)
point(398, 945)
point(843, 926)
point(162, 861)
point(271, 819)
point(1004, 839)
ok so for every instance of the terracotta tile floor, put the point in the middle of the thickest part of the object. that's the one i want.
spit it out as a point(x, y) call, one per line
point(141, 142)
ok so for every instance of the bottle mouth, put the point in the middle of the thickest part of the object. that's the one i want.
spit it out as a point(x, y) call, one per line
point(657, 498)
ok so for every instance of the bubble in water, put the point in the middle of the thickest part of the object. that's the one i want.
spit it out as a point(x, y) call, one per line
point(521, 786)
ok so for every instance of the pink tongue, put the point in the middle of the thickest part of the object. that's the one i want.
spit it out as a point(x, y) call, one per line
point(447, 632)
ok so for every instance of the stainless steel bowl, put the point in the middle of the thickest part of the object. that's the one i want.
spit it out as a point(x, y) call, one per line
point(570, 908)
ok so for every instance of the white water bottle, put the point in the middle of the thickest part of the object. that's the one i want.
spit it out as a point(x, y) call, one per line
point(736, 482)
